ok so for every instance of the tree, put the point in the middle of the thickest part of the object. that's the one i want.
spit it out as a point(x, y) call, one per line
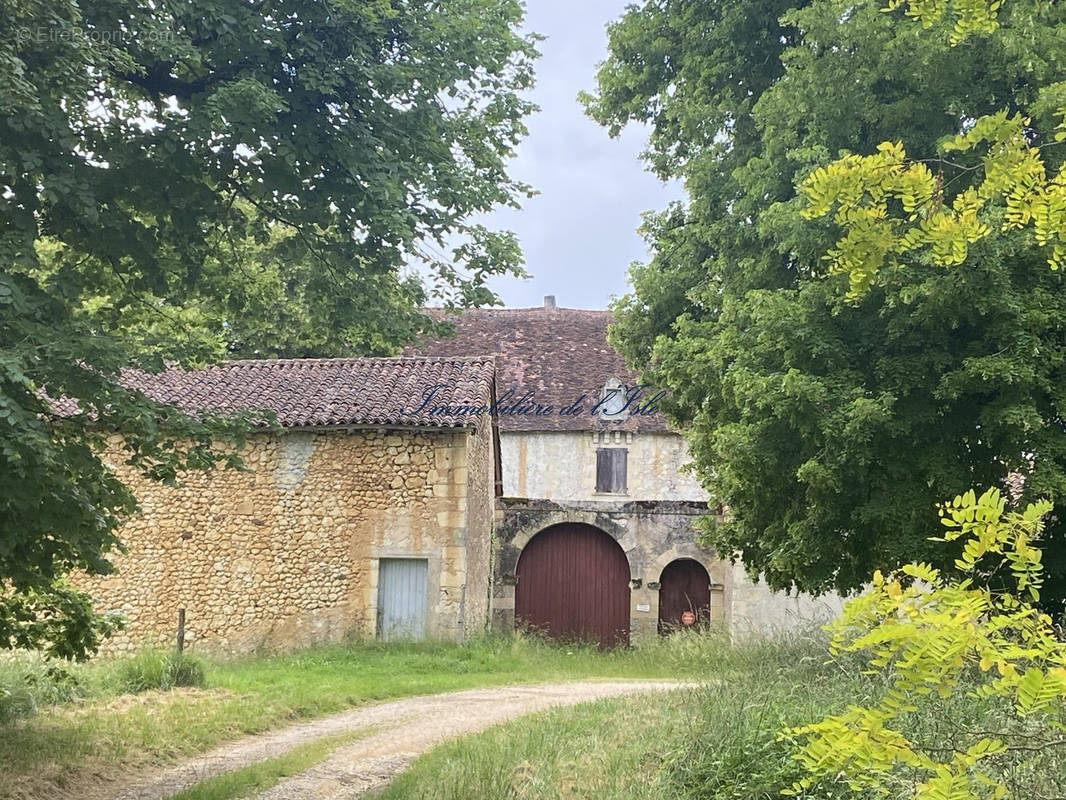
point(830, 421)
point(181, 180)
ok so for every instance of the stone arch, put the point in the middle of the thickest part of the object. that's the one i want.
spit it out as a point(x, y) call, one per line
point(650, 533)
point(513, 539)
point(718, 570)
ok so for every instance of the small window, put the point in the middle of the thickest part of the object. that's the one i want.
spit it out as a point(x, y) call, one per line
point(611, 470)
point(612, 405)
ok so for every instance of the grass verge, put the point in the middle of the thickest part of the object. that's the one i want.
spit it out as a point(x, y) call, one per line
point(606, 749)
point(256, 778)
point(105, 733)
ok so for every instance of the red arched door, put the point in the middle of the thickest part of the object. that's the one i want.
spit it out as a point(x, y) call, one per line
point(684, 588)
point(573, 583)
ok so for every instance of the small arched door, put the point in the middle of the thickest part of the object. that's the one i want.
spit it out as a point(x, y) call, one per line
point(684, 588)
point(573, 583)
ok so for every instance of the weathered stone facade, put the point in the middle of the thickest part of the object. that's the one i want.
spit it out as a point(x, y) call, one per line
point(285, 554)
point(554, 356)
point(482, 468)
point(650, 533)
point(288, 553)
point(533, 460)
point(652, 521)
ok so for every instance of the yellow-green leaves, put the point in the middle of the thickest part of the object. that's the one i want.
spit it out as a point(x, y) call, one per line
point(1038, 690)
point(924, 633)
point(991, 531)
point(858, 192)
point(968, 16)
point(855, 189)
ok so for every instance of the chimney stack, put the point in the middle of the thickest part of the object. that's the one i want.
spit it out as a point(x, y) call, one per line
point(549, 302)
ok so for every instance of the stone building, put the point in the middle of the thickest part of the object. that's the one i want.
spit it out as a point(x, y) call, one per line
point(595, 531)
point(361, 515)
point(513, 474)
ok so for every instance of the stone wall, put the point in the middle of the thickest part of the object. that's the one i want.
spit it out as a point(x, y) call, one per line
point(561, 466)
point(652, 534)
point(757, 611)
point(285, 555)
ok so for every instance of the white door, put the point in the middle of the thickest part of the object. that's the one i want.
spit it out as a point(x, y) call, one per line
point(402, 598)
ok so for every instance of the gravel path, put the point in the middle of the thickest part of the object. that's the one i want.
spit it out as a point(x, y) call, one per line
point(403, 730)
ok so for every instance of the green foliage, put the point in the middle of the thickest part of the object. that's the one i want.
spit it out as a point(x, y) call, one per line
point(831, 424)
point(862, 188)
point(730, 750)
point(61, 505)
point(57, 619)
point(182, 181)
point(157, 669)
point(858, 190)
point(930, 636)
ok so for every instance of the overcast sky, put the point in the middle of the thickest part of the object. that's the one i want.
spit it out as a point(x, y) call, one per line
point(578, 235)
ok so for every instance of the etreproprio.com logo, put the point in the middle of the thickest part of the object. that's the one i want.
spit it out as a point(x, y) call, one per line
point(52, 33)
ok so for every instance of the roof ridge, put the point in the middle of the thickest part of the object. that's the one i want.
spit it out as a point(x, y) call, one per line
point(560, 358)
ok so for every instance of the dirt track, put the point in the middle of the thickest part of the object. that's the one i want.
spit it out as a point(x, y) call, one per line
point(402, 730)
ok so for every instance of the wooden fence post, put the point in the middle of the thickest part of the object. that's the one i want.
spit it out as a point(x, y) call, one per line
point(181, 630)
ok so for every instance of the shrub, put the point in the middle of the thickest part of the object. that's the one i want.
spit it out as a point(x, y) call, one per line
point(155, 669)
point(974, 698)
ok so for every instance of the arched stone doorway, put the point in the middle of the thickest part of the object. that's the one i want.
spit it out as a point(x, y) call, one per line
point(684, 588)
point(572, 582)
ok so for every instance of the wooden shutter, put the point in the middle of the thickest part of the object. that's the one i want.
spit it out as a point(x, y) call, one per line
point(611, 470)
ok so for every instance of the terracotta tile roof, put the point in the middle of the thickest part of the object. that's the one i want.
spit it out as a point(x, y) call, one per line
point(556, 353)
point(318, 392)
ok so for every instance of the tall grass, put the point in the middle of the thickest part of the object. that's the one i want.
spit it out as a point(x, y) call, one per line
point(731, 749)
point(720, 741)
point(715, 741)
point(30, 682)
point(155, 669)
